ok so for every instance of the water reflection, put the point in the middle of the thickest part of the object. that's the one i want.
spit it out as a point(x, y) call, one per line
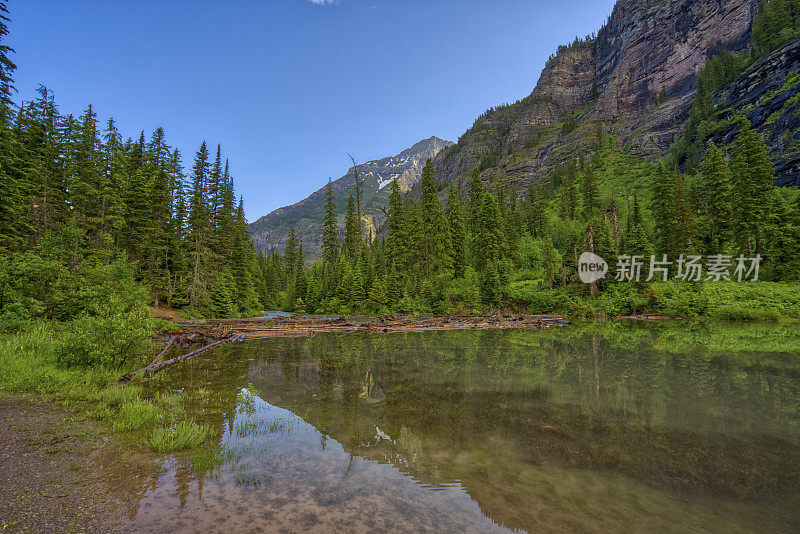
point(619, 427)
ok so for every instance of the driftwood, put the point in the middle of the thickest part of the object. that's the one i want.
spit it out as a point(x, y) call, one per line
point(309, 326)
point(170, 341)
point(160, 366)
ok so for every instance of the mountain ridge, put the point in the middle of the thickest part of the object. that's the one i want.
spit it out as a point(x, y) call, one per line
point(271, 230)
point(610, 84)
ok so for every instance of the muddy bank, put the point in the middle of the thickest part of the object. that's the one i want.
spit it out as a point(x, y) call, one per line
point(61, 473)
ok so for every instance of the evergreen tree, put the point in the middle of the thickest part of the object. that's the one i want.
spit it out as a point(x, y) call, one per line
point(435, 238)
point(490, 236)
point(476, 192)
point(753, 177)
point(683, 232)
point(395, 228)
point(330, 230)
point(458, 232)
point(591, 193)
point(7, 68)
point(636, 242)
point(113, 156)
point(352, 233)
point(664, 210)
point(86, 182)
point(716, 198)
point(198, 224)
point(569, 198)
point(535, 210)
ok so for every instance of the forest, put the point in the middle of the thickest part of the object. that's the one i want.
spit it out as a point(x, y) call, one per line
point(476, 245)
point(87, 213)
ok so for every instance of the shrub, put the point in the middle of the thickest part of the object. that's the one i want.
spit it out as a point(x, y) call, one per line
point(14, 318)
point(622, 299)
point(105, 341)
point(537, 300)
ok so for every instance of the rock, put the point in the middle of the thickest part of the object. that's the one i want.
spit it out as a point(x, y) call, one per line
point(607, 85)
point(768, 95)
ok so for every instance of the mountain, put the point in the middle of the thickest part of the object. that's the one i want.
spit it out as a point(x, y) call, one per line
point(635, 80)
point(306, 216)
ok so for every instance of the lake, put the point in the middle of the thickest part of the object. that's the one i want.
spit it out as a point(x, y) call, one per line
point(678, 427)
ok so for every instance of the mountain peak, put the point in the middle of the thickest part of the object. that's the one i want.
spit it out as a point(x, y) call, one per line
point(271, 231)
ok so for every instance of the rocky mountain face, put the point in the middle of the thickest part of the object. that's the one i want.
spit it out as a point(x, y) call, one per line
point(636, 80)
point(769, 95)
point(306, 216)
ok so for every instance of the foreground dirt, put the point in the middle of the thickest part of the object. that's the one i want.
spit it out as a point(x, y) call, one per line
point(59, 472)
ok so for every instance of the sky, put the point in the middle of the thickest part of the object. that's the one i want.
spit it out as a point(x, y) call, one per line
point(290, 87)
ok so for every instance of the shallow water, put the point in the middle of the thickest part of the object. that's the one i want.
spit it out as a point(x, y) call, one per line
point(621, 426)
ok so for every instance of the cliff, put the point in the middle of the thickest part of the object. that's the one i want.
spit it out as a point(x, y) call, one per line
point(648, 52)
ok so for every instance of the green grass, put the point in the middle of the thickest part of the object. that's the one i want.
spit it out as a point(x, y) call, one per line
point(728, 301)
point(184, 435)
point(29, 365)
point(135, 415)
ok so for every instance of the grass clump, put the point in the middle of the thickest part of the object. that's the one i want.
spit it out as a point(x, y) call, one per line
point(184, 435)
point(135, 415)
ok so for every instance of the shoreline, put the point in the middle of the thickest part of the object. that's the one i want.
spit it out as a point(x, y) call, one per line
point(310, 325)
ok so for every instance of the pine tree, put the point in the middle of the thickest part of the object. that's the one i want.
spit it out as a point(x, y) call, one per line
point(177, 249)
point(535, 210)
point(226, 218)
point(490, 284)
point(10, 193)
point(684, 230)
point(198, 223)
point(591, 193)
point(490, 237)
point(330, 230)
point(396, 229)
point(569, 198)
point(113, 207)
point(160, 212)
point(664, 212)
point(413, 251)
point(86, 181)
point(753, 181)
point(476, 192)
point(352, 233)
point(458, 232)
point(636, 242)
point(435, 238)
point(716, 198)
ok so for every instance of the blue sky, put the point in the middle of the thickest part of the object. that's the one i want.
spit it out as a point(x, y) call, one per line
point(288, 87)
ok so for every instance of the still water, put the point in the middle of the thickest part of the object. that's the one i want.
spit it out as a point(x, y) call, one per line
point(615, 426)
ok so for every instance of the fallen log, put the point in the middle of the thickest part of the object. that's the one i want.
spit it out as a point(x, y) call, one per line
point(160, 366)
point(170, 341)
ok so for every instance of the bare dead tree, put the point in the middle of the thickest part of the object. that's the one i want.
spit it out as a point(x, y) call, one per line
point(359, 183)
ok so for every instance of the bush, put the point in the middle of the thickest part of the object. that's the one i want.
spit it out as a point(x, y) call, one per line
point(14, 318)
point(105, 341)
point(537, 300)
point(622, 299)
